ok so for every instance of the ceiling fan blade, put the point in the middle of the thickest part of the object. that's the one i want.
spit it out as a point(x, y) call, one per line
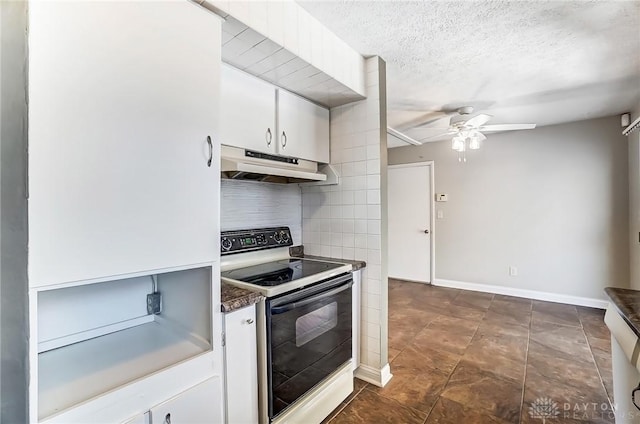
point(481, 136)
point(507, 127)
point(434, 137)
point(427, 119)
point(478, 120)
point(432, 129)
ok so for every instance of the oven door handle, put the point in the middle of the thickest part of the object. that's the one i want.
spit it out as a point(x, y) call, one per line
point(289, 306)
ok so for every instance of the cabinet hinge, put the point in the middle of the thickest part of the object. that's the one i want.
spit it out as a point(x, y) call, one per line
point(224, 339)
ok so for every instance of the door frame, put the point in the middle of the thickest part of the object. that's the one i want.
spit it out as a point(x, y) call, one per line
point(432, 206)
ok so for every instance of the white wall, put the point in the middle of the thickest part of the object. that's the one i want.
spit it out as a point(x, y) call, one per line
point(250, 204)
point(349, 220)
point(13, 223)
point(551, 201)
point(634, 203)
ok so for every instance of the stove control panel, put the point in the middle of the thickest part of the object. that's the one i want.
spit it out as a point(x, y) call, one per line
point(249, 240)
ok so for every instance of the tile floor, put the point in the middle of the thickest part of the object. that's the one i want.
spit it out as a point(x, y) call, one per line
point(469, 357)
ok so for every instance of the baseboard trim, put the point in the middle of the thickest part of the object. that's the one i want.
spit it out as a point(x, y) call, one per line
point(529, 294)
point(375, 376)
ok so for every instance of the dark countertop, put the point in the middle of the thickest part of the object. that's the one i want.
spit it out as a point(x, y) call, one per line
point(298, 252)
point(233, 298)
point(627, 301)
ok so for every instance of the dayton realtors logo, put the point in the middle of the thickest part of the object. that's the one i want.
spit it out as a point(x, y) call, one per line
point(544, 408)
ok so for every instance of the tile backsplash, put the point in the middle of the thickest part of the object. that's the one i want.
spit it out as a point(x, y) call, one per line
point(249, 204)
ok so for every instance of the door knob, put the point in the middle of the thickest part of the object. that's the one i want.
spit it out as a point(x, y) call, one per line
point(426, 231)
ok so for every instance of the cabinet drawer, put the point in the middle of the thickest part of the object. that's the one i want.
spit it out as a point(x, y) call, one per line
point(198, 405)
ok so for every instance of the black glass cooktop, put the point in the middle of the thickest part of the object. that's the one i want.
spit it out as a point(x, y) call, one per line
point(279, 272)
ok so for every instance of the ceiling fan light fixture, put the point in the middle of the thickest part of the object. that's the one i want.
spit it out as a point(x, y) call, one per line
point(474, 142)
point(457, 144)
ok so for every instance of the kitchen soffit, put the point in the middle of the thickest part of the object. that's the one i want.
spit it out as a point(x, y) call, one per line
point(250, 51)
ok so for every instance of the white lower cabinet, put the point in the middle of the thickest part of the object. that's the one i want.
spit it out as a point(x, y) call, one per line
point(194, 406)
point(241, 365)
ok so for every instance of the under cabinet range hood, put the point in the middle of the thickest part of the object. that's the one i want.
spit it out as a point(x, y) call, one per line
point(242, 164)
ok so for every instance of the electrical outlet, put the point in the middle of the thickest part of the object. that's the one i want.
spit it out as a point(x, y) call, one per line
point(513, 271)
point(440, 214)
point(154, 303)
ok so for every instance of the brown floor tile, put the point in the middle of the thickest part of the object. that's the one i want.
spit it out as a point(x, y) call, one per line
point(448, 334)
point(369, 407)
point(482, 390)
point(582, 403)
point(600, 346)
point(417, 316)
point(499, 315)
point(401, 332)
point(462, 312)
point(417, 389)
point(461, 357)
point(590, 313)
point(473, 300)
point(596, 329)
point(544, 363)
point(447, 411)
point(504, 356)
point(565, 341)
point(522, 301)
point(556, 313)
point(416, 359)
point(490, 327)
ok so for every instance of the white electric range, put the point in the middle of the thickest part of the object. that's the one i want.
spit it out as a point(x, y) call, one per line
point(304, 324)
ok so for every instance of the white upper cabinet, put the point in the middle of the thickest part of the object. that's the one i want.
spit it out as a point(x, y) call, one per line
point(303, 128)
point(248, 112)
point(122, 99)
point(252, 118)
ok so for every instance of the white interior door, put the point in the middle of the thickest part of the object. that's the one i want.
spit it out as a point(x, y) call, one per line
point(409, 194)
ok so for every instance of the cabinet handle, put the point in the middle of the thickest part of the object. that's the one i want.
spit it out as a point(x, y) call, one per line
point(284, 139)
point(167, 419)
point(210, 153)
point(269, 137)
point(250, 321)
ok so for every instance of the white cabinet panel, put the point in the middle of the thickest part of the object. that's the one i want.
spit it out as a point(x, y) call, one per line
point(241, 366)
point(198, 405)
point(303, 128)
point(122, 97)
point(138, 419)
point(248, 111)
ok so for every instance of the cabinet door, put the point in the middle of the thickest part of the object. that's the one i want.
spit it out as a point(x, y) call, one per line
point(241, 366)
point(122, 98)
point(303, 128)
point(247, 112)
point(198, 405)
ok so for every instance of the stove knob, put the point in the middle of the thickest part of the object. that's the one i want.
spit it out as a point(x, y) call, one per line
point(277, 238)
point(284, 236)
point(226, 244)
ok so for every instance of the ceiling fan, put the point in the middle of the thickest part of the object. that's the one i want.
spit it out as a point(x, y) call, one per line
point(468, 131)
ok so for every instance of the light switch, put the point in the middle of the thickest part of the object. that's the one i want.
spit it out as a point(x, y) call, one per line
point(440, 214)
point(442, 197)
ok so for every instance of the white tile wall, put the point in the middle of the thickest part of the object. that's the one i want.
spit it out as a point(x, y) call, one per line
point(347, 220)
point(249, 204)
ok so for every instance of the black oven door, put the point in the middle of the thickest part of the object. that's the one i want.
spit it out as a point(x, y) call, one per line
point(308, 338)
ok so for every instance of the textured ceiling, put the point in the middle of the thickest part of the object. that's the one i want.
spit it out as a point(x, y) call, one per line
point(520, 61)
